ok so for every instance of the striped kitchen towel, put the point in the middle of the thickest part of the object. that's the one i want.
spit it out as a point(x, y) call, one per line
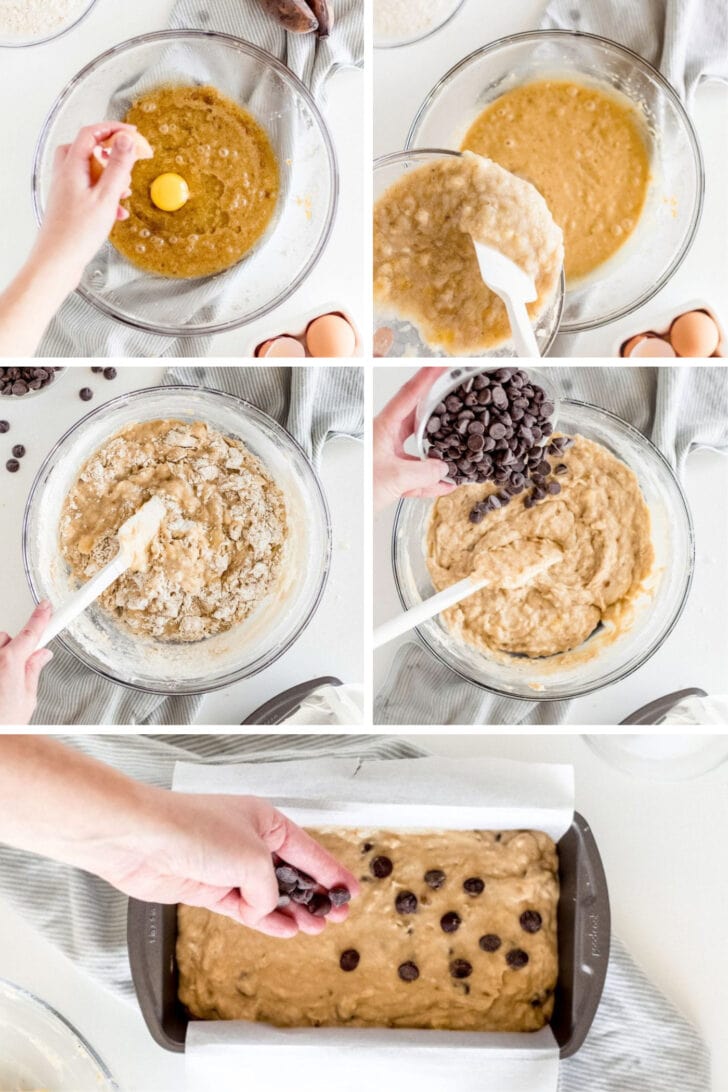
point(639, 1042)
point(687, 40)
point(679, 409)
point(79, 329)
point(315, 405)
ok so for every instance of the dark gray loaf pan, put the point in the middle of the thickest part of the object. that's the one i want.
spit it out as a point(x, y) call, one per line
point(583, 925)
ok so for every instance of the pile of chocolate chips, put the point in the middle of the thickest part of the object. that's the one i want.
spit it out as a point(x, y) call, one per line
point(297, 886)
point(495, 427)
point(20, 381)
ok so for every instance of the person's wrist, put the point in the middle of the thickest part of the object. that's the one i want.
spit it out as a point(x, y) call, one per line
point(54, 266)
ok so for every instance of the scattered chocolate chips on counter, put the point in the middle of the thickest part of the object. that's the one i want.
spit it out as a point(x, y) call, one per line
point(12, 465)
point(490, 942)
point(474, 886)
point(109, 373)
point(517, 958)
point(4, 426)
point(381, 867)
point(450, 922)
point(408, 972)
point(349, 960)
point(18, 451)
point(531, 921)
point(20, 381)
point(460, 968)
point(85, 394)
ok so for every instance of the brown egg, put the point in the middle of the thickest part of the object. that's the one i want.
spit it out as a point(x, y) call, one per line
point(653, 346)
point(100, 155)
point(629, 346)
point(694, 334)
point(331, 336)
point(284, 346)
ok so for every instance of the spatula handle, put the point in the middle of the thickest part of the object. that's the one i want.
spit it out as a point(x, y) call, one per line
point(83, 598)
point(402, 623)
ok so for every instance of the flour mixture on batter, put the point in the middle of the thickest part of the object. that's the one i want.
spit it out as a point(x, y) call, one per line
point(560, 568)
point(219, 550)
point(453, 930)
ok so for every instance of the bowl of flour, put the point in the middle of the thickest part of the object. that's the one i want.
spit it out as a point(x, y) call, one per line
point(402, 22)
point(32, 22)
point(238, 566)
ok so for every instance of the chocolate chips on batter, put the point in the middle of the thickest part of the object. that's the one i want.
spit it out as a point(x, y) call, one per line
point(531, 921)
point(474, 886)
point(450, 922)
point(408, 972)
point(435, 878)
point(517, 958)
point(349, 960)
point(490, 942)
point(460, 968)
point(381, 867)
point(406, 902)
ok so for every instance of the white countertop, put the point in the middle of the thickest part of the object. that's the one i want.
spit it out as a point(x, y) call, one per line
point(663, 847)
point(694, 655)
point(41, 73)
point(332, 643)
point(403, 78)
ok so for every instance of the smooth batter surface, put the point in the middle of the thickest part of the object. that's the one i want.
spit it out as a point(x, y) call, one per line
point(425, 267)
point(229, 972)
point(226, 159)
point(585, 553)
point(584, 150)
point(218, 551)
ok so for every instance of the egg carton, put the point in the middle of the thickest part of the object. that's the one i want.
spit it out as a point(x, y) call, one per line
point(661, 323)
point(298, 326)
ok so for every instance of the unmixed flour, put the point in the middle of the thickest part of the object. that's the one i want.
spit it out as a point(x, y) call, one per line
point(37, 18)
point(400, 20)
point(219, 549)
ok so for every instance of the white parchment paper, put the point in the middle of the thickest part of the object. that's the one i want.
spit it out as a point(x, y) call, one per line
point(429, 793)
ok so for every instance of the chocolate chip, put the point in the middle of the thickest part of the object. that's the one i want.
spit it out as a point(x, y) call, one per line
point(320, 905)
point(517, 958)
point(435, 878)
point(339, 896)
point(12, 465)
point(406, 902)
point(561, 468)
point(554, 488)
point(408, 972)
point(477, 515)
point(109, 373)
point(381, 867)
point(302, 897)
point(18, 451)
point(474, 886)
point(286, 873)
point(4, 426)
point(450, 922)
point(349, 960)
point(491, 942)
point(531, 921)
point(367, 847)
point(460, 968)
point(433, 425)
point(85, 394)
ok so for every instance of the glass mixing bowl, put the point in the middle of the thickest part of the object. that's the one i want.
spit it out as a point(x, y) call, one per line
point(39, 1048)
point(407, 340)
point(421, 26)
point(304, 217)
point(22, 41)
point(674, 204)
point(655, 614)
point(161, 667)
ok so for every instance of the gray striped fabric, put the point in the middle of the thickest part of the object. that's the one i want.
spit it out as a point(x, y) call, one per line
point(314, 404)
point(686, 39)
point(79, 330)
point(680, 409)
point(638, 1042)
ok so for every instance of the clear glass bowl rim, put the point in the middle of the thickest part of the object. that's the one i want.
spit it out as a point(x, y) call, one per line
point(28, 43)
point(28, 995)
point(616, 676)
point(419, 37)
point(392, 158)
point(697, 211)
point(232, 676)
point(289, 78)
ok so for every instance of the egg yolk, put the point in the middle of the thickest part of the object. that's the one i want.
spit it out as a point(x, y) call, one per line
point(169, 192)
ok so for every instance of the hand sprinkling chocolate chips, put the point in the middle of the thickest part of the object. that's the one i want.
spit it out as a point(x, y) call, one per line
point(295, 886)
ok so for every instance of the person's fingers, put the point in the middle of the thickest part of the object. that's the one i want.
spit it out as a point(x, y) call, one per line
point(230, 903)
point(439, 490)
point(4, 639)
point(25, 642)
point(414, 474)
point(59, 156)
point(117, 173)
point(34, 666)
point(302, 851)
point(306, 922)
point(405, 400)
point(90, 135)
point(122, 213)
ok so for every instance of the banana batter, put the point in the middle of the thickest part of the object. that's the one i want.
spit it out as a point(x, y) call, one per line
point(559, 569)
point(219, 549)
point(584, 150)
point(471, 947)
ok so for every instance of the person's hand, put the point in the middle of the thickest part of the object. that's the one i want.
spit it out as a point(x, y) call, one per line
point(216, 852)
point(397, 474)
point(81, 213)
point(20, 668)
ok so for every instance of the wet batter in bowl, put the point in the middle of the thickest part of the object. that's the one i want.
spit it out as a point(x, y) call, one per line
point(576, 559)
point(219, 550)
point(584, 150)
point(225, 160)
point(453, 930)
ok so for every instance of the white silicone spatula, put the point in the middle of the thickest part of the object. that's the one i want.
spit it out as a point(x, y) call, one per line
point(548, 554)
point(133, 537)
point(516, 289)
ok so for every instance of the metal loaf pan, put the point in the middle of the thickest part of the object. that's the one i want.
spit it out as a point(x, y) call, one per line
point(583, 927)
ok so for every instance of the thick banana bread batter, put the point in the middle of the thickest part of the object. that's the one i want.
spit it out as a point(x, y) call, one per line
point(559, 568)
point(219, 549)
point(453, 930)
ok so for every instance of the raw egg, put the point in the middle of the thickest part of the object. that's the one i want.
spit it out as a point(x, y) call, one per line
point(331, 336)
point(169, 192)
point(102, 153)
point(694, 334)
